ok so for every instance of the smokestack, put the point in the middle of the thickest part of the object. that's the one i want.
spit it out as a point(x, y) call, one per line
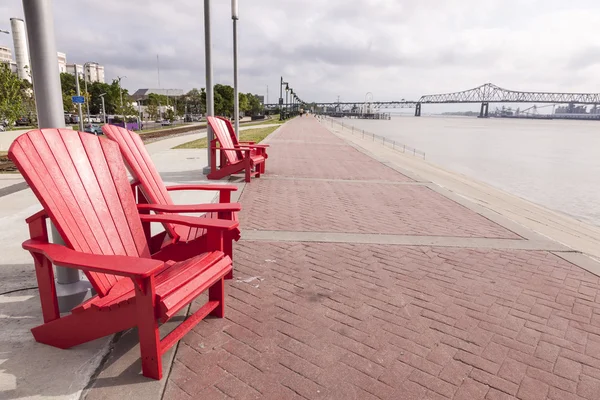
point(19, 35)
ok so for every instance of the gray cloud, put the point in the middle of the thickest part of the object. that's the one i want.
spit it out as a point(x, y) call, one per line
point(392, 48)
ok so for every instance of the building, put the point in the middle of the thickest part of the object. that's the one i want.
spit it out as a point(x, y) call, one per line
point(62, 62)
point(71, 69)
point(142, 94)
point(21, 50)
point(5, 55)
point(94, 73)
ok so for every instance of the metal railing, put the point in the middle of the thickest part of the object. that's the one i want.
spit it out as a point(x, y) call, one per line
point(401, 147)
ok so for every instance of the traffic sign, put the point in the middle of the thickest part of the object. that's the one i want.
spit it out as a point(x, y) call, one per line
point(78, 99)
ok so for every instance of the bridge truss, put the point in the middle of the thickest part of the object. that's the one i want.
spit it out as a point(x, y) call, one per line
point(490, 93)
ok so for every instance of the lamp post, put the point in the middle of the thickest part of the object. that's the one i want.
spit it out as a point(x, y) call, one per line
point(70, 290)
point(287, 90)
point(103, 109)
point(85, 74)
point(121, 93)
point(236, 100)
point(78, 91)
point(210, 97)
point(281, 114)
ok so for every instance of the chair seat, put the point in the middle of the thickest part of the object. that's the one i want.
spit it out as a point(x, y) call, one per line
point(176, 285)
point(257, 158)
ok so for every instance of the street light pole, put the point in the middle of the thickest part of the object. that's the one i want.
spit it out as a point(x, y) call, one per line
point(236, 100)
point(103, 109)
point(87, 101)
point(70, 290)
point(78, 90)
point(210, 106)
point(281, 99)
point(121, 93)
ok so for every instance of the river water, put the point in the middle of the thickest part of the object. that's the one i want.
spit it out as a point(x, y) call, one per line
point(555, 163)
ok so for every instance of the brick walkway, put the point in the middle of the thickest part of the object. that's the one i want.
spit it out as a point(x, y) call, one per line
point(373, 321)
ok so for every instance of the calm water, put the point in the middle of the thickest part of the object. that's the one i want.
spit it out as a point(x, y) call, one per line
point(553, 163)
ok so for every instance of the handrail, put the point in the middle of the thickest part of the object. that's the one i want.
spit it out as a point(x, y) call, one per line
point(385, 141)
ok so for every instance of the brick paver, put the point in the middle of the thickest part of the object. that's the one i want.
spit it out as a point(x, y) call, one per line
point(357, 321)
point(353, 208)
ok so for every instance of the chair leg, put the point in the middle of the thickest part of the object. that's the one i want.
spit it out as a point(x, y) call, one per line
point(217, 293)
point(148, 330)
point(248, 172)
point(228, 250)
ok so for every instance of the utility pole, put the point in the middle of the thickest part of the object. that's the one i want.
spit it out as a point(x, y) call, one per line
point(80, 113)
point(121, 93)
point(236, 99)
point(210, 105)
point(158, 71)
point(103, 109)
point(70, 290)
point(85, 74)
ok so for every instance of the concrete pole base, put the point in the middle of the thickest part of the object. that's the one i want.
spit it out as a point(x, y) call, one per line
point(71, 295)
point(206, 170)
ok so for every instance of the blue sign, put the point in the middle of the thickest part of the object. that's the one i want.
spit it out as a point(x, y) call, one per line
point(78, 99)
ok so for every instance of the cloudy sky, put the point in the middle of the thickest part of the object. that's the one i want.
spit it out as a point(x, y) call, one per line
point(392, 48)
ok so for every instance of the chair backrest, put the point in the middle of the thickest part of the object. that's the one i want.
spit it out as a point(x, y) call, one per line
point(221, 131)
point(81, 182)
point(234, 138)
point(141, 167)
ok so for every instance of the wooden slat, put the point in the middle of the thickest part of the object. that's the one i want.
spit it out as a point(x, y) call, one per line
point(187, 325)
point(170, 305)
point(182, 272)
point(82, 192)
point(220, 130)
point(43, 184)
point(125, 197)
point(141, 167)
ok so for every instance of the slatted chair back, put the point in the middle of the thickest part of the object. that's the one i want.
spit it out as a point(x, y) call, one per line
point(234, 138)
point(140, 165)
point(221, 131)
point(81, 182)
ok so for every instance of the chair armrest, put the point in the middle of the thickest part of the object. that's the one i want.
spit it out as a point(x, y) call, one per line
point(254, 144)
point(240, 148)
point(230, 188)
point(133, 267)
point(194, 222)
point(191, 208)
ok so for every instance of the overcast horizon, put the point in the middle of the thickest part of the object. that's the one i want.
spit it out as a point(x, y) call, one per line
point(393, 49)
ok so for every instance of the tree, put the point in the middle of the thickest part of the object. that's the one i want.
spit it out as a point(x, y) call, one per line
point(11, 95)
point(244, 102)
point(255, 105)
point(225, 105)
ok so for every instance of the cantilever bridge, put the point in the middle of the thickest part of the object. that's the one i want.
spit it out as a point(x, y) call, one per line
point(484, 94)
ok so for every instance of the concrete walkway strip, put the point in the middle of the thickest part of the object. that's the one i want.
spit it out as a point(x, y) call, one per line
point(404, 240)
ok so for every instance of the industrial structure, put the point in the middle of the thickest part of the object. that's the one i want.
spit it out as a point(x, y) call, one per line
point(19, 35)
point(484, 94)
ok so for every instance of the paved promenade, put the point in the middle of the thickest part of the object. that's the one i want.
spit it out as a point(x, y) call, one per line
point(358, 280)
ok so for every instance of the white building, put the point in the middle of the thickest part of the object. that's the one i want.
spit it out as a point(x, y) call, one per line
point(62, 62)
point(71, 70)
point(94, 73)
point(6, 57)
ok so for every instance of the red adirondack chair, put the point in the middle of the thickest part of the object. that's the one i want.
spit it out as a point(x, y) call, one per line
point(233, 159)
point(257, 149)
point(176, 242)
point(81, 182)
